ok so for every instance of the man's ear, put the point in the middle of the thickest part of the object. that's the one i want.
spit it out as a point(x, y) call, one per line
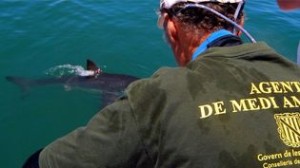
point(239, 32)
point(171, 30)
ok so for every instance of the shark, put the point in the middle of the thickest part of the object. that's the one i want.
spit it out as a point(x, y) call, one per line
point(111, 86)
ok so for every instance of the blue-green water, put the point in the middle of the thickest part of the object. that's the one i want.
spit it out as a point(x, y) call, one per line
point(122, 37)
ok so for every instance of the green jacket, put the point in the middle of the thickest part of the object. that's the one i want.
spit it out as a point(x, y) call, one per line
point(233, 107)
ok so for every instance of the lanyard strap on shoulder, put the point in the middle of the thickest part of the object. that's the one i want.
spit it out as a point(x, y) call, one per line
point(215, 35)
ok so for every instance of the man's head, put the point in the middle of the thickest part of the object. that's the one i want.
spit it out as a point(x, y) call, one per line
point(187, 23)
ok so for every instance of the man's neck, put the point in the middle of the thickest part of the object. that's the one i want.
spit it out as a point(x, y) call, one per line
point(219, 38)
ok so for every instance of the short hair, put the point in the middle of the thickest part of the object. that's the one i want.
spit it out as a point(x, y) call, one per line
point(194, 17)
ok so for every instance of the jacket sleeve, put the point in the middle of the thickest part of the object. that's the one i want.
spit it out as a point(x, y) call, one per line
point(110, 139)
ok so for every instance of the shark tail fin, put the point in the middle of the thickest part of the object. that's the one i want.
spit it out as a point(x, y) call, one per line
point(23, 83)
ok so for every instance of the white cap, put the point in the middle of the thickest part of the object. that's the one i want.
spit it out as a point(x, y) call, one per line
point(169, 3)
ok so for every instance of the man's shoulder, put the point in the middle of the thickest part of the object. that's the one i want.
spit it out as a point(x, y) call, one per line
point(159, 84)
point(161, 76)
point(165, 73)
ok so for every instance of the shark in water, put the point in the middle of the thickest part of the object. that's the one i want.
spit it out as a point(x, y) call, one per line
point(110, 85)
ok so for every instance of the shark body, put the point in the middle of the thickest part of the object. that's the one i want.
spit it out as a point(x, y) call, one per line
point(103, 82)
point(109, 85)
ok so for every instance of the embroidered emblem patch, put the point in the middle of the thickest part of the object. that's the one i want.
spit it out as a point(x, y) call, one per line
point(289, 128)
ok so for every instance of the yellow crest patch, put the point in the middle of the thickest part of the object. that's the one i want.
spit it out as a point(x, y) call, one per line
point(289, 128)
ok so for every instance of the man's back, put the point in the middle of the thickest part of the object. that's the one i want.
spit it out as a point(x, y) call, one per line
point(232, 107)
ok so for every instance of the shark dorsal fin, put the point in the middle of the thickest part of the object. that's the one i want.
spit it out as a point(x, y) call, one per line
point(91, 66)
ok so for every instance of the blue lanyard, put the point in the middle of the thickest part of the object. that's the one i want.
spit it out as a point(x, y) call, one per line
point(212, 37)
